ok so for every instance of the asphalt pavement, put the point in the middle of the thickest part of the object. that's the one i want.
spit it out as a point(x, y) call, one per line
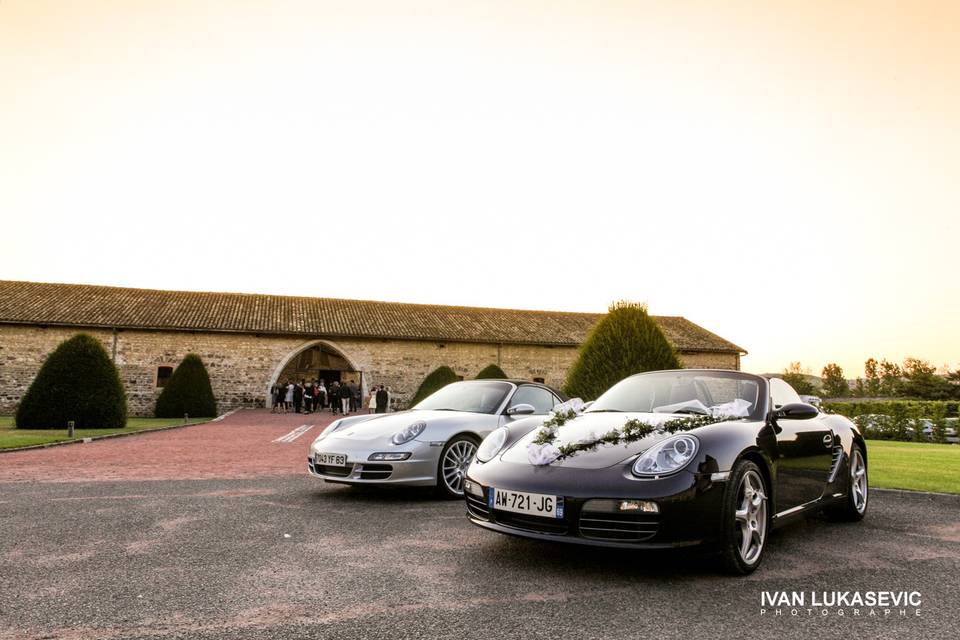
point(283, 555)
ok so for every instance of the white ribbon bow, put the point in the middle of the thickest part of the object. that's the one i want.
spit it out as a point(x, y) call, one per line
point(574, 404)
point(542, 454)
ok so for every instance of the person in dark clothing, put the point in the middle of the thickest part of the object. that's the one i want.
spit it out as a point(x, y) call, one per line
point(276, 397)
point(333, 397)
point(316, 395)
point(308, 397)
point(382, 400)
point(297, 397)
point(354, 397)
point(346, 398)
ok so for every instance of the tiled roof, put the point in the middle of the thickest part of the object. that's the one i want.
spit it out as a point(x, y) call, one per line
point(35, 303)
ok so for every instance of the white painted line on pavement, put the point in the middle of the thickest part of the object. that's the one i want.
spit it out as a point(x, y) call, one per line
point(296, 433)
point(221, 417)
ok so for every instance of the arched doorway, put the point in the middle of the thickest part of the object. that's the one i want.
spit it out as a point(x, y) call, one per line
point(316, 360)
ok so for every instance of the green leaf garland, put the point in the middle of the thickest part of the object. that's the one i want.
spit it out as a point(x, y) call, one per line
point(632, 431)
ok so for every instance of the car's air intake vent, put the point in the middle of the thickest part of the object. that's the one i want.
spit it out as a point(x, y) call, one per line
point(531, 523)
point(375, 471)
point(835, 464)
point(329, 470)
point(627, 527)
point(477, 507)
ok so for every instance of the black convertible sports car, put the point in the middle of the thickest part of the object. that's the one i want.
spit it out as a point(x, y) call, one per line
point(667, 459)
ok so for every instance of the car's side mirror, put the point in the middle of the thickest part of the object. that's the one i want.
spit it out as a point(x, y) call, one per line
point(522, 409)
point(796, 411)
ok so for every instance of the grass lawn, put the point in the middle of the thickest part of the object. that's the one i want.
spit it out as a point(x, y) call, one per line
point(914, 465)
point(12, 437)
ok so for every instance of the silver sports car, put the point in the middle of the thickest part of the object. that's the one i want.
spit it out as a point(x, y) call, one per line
point(431, 444)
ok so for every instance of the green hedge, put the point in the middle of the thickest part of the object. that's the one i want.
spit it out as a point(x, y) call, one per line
point(435, 380)
point(187, 391)
point(903, 420)
point(913, 407)
point(491, 371)
point(625, 341)
point(77, 382)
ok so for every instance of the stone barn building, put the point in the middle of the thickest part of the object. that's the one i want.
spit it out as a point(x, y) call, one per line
point(249, 341)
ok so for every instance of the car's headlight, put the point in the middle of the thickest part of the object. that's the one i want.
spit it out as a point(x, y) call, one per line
point(492, 444)
point(333, 427)
point(409, 433)
point(667, 456)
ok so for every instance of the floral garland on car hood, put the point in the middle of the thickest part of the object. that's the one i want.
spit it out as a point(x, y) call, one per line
point(542, 450)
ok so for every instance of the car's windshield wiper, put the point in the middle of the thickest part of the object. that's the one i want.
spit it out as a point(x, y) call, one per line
point(604, 411)
point(446, 409)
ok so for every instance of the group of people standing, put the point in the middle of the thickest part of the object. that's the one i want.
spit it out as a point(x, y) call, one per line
point(309, 397)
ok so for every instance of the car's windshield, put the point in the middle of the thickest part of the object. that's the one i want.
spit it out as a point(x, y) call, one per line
point(711, 393)
point(476, 397)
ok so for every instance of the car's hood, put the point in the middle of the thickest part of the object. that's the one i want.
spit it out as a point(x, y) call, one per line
point(588, 427)
point(382, 426)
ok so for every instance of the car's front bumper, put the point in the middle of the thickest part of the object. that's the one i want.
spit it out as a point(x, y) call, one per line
point(617, 544)
point(689, 510)
point(419, 470)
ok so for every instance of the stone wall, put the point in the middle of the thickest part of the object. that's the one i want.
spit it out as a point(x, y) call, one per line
point(243, 366)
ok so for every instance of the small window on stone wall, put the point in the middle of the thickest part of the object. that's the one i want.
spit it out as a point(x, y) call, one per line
point(163, 375)
point(540, 380)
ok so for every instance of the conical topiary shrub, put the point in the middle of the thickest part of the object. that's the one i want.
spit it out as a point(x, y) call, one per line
point(435, 380)
point(187, 392)
point(491, 371)
point(77, 382)
point(626, 341)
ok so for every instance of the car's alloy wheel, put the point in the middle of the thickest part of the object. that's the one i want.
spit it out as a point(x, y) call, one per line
point(454, 460)
point(854, 505)
point(751, 516)
point(858, 481)
point(745, 519)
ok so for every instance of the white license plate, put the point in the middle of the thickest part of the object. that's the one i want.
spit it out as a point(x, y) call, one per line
point(534, 504)
point(331, 459)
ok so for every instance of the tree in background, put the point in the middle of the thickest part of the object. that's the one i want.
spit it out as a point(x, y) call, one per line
point(77, 382)
point(872, 375)
point(889, 378)
point(834, 384)
point(435, 380)
point(187, 391)
point(920, 380)
point(491, 371)
point(625, 341)
point(953, 379)
point(797, 377)
point(859, 388)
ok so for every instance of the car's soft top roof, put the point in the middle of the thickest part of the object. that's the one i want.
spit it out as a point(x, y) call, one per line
point(518, 382)
point(720, 371)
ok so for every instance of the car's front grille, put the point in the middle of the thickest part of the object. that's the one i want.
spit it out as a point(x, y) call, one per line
point(330, 470)
point(477, 507)
point(375, 471)
point(536, 524)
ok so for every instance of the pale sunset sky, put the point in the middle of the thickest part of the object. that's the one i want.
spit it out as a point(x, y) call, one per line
point(785, 174)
